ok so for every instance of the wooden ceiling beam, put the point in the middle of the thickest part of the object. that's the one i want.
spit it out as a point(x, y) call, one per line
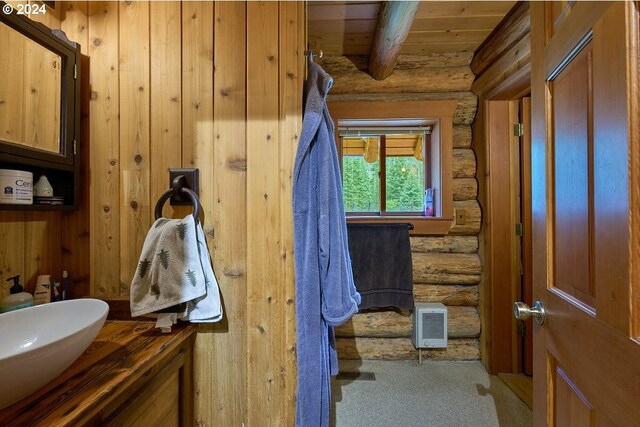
point(394, 23)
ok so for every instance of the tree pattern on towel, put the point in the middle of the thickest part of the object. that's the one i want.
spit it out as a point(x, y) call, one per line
point(164, 258)
point(143, 267)
point(155, 290)
point(192, 277)
point(181, 228)
point(161, 222)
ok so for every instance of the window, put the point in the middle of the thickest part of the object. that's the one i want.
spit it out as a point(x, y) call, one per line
point(384, 170)
point(391, 152)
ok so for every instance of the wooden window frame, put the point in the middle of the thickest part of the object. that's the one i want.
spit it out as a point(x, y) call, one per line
point(440, 154)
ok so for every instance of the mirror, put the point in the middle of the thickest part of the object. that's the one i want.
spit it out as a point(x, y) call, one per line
point(30, 92)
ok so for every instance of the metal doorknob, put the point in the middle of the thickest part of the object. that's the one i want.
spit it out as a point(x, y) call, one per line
point(522, 311)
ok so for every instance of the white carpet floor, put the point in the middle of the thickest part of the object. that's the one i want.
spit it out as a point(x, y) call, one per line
point(447, 394)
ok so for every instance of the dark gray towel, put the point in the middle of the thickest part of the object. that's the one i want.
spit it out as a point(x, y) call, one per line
point(381, 262)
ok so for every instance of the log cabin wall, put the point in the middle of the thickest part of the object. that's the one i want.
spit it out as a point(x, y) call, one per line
point(445, 269)
point(192, 84)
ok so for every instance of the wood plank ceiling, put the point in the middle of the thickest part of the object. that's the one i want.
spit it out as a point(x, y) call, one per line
point(348, 28)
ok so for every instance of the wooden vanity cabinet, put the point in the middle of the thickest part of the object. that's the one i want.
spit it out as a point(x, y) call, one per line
point(131, 375)
point(163, 397)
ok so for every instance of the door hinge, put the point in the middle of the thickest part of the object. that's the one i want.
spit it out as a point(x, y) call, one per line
point(521, 329)
point(75, 71)
point(518, 129)
point(75, 147)
point(519, 229)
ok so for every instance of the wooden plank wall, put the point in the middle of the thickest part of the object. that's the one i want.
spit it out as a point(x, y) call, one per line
point(192, 84)
point(445, 269)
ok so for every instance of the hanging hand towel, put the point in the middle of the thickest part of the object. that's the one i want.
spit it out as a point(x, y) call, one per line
point(174, 269)
point(382, 266)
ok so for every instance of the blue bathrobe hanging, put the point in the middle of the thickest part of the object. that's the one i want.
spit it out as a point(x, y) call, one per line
point(325, 293)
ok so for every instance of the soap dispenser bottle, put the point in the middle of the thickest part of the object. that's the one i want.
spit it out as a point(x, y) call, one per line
point(17, 299)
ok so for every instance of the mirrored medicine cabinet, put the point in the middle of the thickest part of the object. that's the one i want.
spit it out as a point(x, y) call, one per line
point(39, 106)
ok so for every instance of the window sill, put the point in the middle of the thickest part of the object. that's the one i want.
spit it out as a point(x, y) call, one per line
point(421, 225)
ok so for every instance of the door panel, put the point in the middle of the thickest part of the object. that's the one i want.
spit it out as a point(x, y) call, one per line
point(585, 143)
point(571, 93)
point(572, 407)
point(601, 362)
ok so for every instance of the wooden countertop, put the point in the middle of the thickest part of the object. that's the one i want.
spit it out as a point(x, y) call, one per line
point(120, 360)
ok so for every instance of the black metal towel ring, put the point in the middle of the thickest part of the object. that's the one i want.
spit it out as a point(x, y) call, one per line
point(179, 186)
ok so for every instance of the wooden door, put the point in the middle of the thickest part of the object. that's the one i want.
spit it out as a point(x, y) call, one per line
point(586, 208)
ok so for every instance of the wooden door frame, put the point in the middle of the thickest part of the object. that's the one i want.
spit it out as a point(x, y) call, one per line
point(498, 341)
point(502, 67)
point(527, 238)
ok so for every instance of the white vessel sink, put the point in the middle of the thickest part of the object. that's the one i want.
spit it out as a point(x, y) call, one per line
point(38, 343)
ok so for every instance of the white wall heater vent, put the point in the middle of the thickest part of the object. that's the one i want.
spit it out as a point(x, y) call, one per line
point(429, 325)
